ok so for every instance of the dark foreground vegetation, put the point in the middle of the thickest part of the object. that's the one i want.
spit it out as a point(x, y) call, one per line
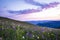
point(21, 34)
point(26, 32)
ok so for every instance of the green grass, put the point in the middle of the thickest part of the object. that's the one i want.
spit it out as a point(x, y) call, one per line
point(21, 34)
point(17, 30)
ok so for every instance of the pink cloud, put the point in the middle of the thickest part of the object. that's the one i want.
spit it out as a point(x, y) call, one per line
point(46, 14)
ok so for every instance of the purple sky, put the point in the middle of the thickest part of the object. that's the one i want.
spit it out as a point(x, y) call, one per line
point(28, 10)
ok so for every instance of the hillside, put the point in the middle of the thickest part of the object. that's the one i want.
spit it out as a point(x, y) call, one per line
point(14, 23)
point(18, 30)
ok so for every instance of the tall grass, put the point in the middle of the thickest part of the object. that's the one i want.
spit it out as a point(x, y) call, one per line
point(19, 33)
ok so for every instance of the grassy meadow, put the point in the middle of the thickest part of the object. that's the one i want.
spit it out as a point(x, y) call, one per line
point(16, 30)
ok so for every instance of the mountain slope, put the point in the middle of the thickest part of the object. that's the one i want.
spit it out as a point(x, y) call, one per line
point(14, 23)
point(18, 30)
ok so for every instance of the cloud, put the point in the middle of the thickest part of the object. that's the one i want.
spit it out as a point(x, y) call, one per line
point(46, 14)
point(16, 5)
point(47, 1)
point(42, 5)
point(33, 2)
point(26, 11)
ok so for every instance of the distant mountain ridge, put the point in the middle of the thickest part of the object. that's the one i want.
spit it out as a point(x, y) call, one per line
point(52, 24)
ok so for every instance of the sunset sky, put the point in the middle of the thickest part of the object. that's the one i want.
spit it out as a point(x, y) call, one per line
point(46, 11)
